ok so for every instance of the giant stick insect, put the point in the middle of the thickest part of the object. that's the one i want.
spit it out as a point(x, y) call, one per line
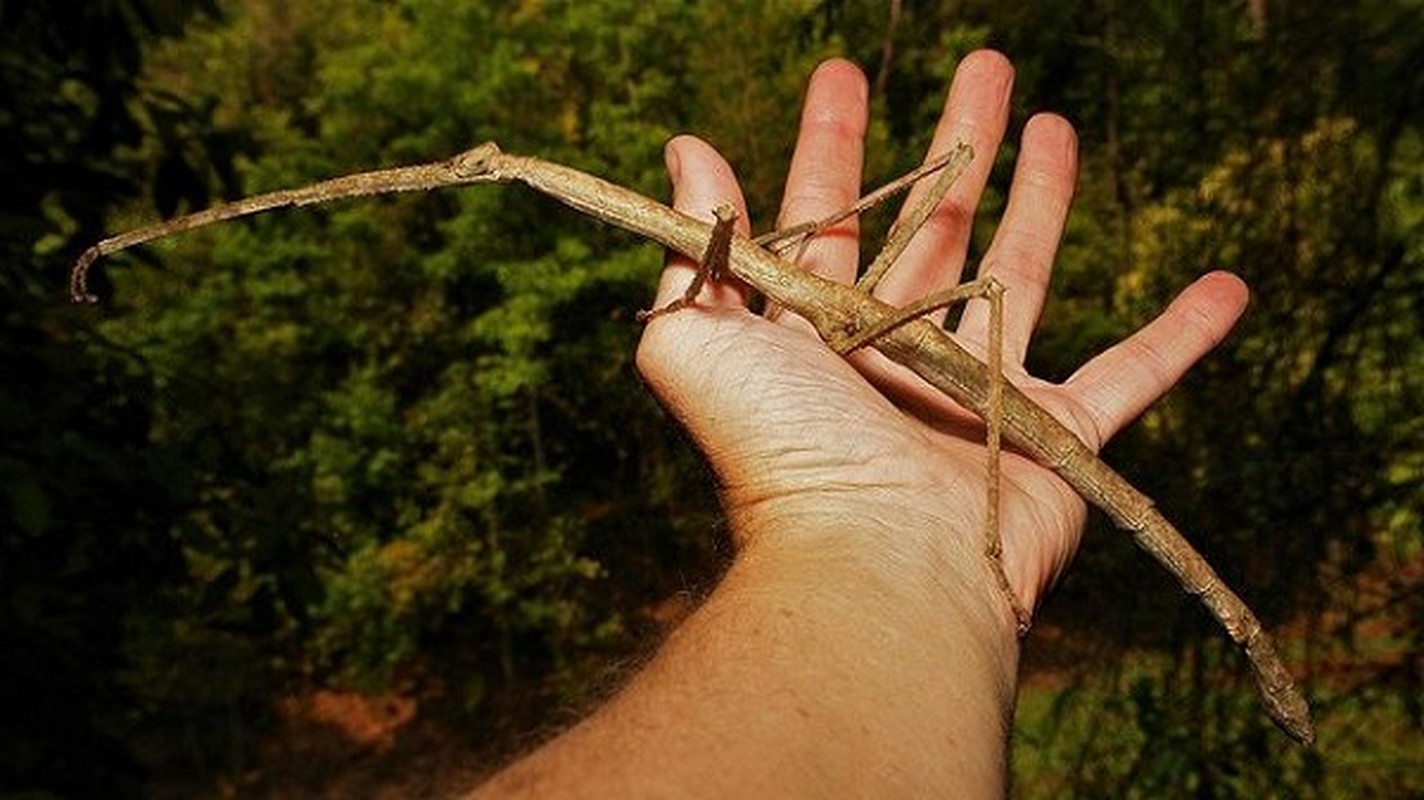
point(846, 318)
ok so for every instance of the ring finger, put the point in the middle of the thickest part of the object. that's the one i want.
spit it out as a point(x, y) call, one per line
point(1026, 241)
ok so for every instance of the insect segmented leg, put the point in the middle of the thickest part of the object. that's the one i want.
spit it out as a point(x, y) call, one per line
point(905, 229)
point(952, 162)
point(712, 266)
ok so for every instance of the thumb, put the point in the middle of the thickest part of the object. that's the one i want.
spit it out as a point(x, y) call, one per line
point(701, 181)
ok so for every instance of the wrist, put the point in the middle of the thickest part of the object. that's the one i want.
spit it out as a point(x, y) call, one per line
point(919, 563)
point(901, 634)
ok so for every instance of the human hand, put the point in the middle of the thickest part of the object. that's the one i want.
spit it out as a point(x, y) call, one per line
point(795, 432)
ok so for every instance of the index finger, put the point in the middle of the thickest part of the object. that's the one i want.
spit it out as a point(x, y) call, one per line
point(824, 177)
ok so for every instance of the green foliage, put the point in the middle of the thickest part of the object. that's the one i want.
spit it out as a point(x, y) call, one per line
point(408, 464)
point(1150, 728)
point(83, 502)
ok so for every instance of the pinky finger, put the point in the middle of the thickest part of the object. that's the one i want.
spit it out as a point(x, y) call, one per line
point(1121, 382)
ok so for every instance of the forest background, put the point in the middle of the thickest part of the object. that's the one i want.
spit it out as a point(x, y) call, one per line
point(390, 457)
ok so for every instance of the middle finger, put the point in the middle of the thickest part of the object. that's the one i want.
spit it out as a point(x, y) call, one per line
point(976, 112)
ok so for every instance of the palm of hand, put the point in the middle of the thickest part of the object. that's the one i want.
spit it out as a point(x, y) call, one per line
point(784, 419)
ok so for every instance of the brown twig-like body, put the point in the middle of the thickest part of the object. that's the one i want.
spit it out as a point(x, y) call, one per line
point(840, 314)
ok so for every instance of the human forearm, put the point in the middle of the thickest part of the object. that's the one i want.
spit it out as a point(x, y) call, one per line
point(824, 664)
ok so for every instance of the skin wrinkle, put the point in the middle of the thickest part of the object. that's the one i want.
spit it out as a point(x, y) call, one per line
point(1203, 325)
point(861, 514)
point(1091, 425)
point(864, 449)
point(950, 221)
point(1039, 514)
point(1113, 392)
point(1009, 269)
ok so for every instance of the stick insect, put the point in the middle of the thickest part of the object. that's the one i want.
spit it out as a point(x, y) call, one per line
point(846, 318)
